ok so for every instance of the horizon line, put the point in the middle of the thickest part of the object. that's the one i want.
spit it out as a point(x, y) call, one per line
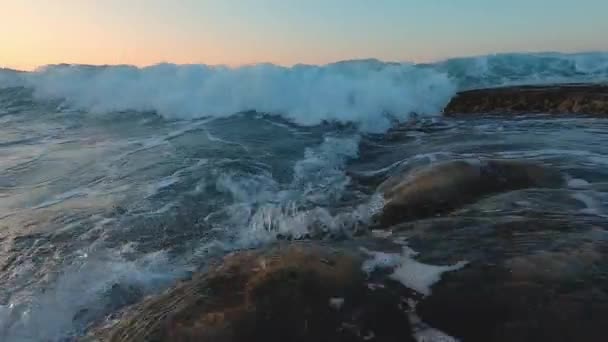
point(291, 65)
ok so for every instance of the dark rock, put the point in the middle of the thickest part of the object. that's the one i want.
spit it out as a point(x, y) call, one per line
point(295, 293)
point(528, 279)
point(589, 99)
point(447, 186)
point(485, 303)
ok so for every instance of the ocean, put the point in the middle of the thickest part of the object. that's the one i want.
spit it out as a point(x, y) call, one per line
point(116, 181)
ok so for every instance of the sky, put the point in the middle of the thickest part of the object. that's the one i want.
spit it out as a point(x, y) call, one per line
point(286, 32)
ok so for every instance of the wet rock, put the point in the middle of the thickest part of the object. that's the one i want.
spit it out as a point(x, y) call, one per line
point(559, 265)
point(299, 292)
point(589, 99)
point(490, 303)
point(444, 187)
point(528, 279)
point(547, 249)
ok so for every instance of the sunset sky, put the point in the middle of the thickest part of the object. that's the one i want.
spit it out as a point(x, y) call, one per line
point(234, 32)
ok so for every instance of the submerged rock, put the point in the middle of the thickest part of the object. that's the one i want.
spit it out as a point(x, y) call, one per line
point(590, 99)
point(447, 186)
point(296, 293)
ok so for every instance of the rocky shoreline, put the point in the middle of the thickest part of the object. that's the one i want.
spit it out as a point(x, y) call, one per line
point(290, 292)
point(566, 99)
point(374, 289)
point(514, 278)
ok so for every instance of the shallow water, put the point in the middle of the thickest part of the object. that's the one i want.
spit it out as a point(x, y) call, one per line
point(97, 211)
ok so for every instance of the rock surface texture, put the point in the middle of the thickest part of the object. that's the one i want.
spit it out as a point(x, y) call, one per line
point(298, 292)
point(447, 186)
point(588, 99)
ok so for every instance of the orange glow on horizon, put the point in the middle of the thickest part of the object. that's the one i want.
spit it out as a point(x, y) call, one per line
point(79, 34)
point(223, 32)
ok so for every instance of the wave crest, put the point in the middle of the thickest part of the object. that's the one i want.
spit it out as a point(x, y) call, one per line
point(369, 93)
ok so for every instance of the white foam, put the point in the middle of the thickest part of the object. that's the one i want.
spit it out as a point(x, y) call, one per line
point(268, 222)
point(433, 335)
point(322, 168)
point(381, 233)
point(592, 205)
point(350, 92)
point(420, 277)
point(526, 68)
point(368, 93)
point(409, 272)
point(165, 182)
point(81, 288)
point(425, 333)
point(336, 303)
point(578, 183)
point(162, 183)
point(213, 138)
point(63, 197)
point(264, 209)
point(162, 210)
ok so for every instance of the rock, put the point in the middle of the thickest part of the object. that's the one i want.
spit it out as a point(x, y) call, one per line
point(589, 99)
point(554, 265)
point(299, 292)
point(490, 304)
point(550, 248)
point(444, 187)
point(528, 279)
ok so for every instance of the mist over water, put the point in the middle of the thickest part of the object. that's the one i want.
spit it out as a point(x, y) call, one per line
point(116, 181)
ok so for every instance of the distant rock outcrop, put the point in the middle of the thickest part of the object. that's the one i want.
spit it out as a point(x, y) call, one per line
point(589, 99)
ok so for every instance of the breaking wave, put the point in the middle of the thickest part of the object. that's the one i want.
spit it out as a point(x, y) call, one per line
point(368, 93)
